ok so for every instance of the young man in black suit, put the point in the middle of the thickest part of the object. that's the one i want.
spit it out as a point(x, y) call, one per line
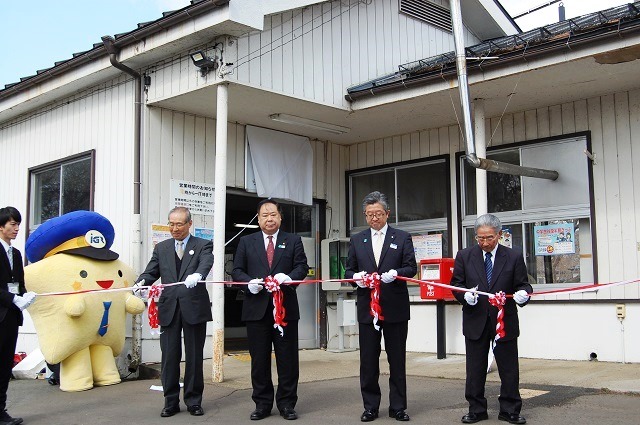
point(271, 252)
point(182, 310)
point(13, 300)
point(491, 267)
point(389, 252)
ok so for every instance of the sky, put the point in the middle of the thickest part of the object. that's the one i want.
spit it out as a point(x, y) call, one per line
point(34, 34)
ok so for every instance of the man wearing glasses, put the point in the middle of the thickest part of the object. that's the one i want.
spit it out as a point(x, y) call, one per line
point(389, 252)
point(182, 309)
point(491, 267)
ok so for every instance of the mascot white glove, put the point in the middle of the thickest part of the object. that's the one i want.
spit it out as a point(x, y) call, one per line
point(254, 286)
point(471, 297)
point(359, 278)
point(192, 280)
point(521, 297)
point(390, 276)
point(282, 278)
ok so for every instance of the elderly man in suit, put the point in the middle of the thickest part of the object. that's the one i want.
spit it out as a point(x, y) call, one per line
point(13, 300)
point(182, 310)
point(271, 252)
point(390, 253)
point(491, 267)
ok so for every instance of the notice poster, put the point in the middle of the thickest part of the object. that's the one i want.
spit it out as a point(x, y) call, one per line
point(198, 197)
point(427, 246)
point(506, 239)
point(159, 233)
point(554, 239)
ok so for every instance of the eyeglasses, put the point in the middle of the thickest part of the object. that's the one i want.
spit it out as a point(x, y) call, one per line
point(177, 225)
point(490, 238)
point(375, 214)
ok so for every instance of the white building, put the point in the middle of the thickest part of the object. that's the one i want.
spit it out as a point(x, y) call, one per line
point(372, 77)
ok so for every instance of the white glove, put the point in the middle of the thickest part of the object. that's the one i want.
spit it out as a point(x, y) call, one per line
point(192, 280)
point(141, 289)
point(282, 278)
point(359, 278)
point(255, 286)
point(24, 301)
point(390, 276)
point(471, 297)
point(521, 297)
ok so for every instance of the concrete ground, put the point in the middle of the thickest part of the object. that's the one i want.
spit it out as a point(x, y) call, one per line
point(554, 392)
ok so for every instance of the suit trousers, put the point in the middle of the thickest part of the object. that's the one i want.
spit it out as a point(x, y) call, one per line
point(171, 346)
point(395, 342)
point(8, 338)
point(506, 355)
point(262, 335)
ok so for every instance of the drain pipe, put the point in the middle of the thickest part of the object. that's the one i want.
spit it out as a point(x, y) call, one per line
point(463, 88)
point(136, 331)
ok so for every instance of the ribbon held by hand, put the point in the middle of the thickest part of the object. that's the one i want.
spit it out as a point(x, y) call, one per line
point(373, 282)
point(154, 294)
point(498, 301)
point(273, 286)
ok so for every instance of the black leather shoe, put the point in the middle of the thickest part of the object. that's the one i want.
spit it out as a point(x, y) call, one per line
point(368, 415)
point(399, 415)
point(169, 411)
point(195, 410)
point(512, 418)
point(6, 419)
point(289, 414)
point(258, 414)
point(472, 418)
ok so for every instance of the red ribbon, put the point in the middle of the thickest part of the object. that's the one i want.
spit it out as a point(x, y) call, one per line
point(273, 286)
point(154, 294)
point(373, 282)
point(498, 300)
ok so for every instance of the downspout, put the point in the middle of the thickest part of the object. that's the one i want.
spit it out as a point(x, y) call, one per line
point(463, 87)
point(136, 331)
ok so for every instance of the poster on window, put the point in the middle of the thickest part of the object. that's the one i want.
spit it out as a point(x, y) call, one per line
point(205, 233)
point(159, 233)
point(554, 239)
point(198, 197)
point(427, 246)
point(506, 238)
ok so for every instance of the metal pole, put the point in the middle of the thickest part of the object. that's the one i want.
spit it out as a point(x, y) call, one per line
point(481, 149)
point(441, 330)
point(220, 199)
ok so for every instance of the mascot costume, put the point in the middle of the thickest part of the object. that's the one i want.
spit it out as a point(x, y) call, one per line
point(84, 330)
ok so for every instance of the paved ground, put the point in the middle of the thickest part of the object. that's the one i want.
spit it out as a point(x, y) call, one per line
point(554, 392)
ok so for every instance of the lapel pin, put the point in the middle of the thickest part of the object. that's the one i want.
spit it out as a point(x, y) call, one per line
point(191, 252)
point(365, 240)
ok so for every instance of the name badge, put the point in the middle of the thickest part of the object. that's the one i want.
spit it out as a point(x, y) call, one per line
point(14, 288)
point(393, 246)
point(281, 246)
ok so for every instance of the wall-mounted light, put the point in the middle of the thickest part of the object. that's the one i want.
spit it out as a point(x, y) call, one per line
point(204, 62)
point(306, 122)
point(246, 226)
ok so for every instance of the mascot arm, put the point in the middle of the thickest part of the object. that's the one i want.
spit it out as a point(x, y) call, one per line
point(134, 305)
point(74, 306)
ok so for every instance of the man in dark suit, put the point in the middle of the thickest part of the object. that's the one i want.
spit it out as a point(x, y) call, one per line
point(13, 300)
point(271, 252)
point(388, 252)
point(491, 267)
point(182, 309)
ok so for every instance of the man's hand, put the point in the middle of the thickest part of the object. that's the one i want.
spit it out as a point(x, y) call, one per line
point(390, 276)
point(192, 280)
point(255, 286)
point(140, 289)
point(24, 301)
point(359, 278)
point(521, 297)
point(282, 278)
point(471, 297)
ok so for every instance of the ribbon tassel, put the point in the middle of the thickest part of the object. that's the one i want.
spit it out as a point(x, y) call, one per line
point(273, 286)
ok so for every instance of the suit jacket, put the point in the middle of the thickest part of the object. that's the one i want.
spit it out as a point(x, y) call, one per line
point(195, 305)
point(7, 276)
point(509, 275)
point(397, 253)
point(250, 262)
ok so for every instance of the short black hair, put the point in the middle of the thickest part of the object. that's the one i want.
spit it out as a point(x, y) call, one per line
point(9, 213)
point(269, 201)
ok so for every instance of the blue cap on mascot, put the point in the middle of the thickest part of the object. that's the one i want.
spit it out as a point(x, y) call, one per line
point(84, 233)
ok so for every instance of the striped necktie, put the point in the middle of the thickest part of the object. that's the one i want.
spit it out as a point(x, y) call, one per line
point(488, 267)
point(10, 255)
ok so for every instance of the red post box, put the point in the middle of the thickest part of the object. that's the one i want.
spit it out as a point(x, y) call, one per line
point(438, 270)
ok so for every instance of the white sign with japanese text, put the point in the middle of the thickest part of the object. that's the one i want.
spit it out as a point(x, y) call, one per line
point(198, 197)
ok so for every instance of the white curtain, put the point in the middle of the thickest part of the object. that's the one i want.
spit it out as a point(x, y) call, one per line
point(282, 165)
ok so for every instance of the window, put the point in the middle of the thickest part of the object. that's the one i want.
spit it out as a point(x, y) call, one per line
point(524, 204)
point(61, 187)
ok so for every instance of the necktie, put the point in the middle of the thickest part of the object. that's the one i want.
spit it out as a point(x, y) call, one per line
point(180, 249)
point(10, 254)
point(377, 246)
point(104, 325)
point(488, 267)
point(270, 250)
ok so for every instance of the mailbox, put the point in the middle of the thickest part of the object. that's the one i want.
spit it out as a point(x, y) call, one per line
point(438, 270)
